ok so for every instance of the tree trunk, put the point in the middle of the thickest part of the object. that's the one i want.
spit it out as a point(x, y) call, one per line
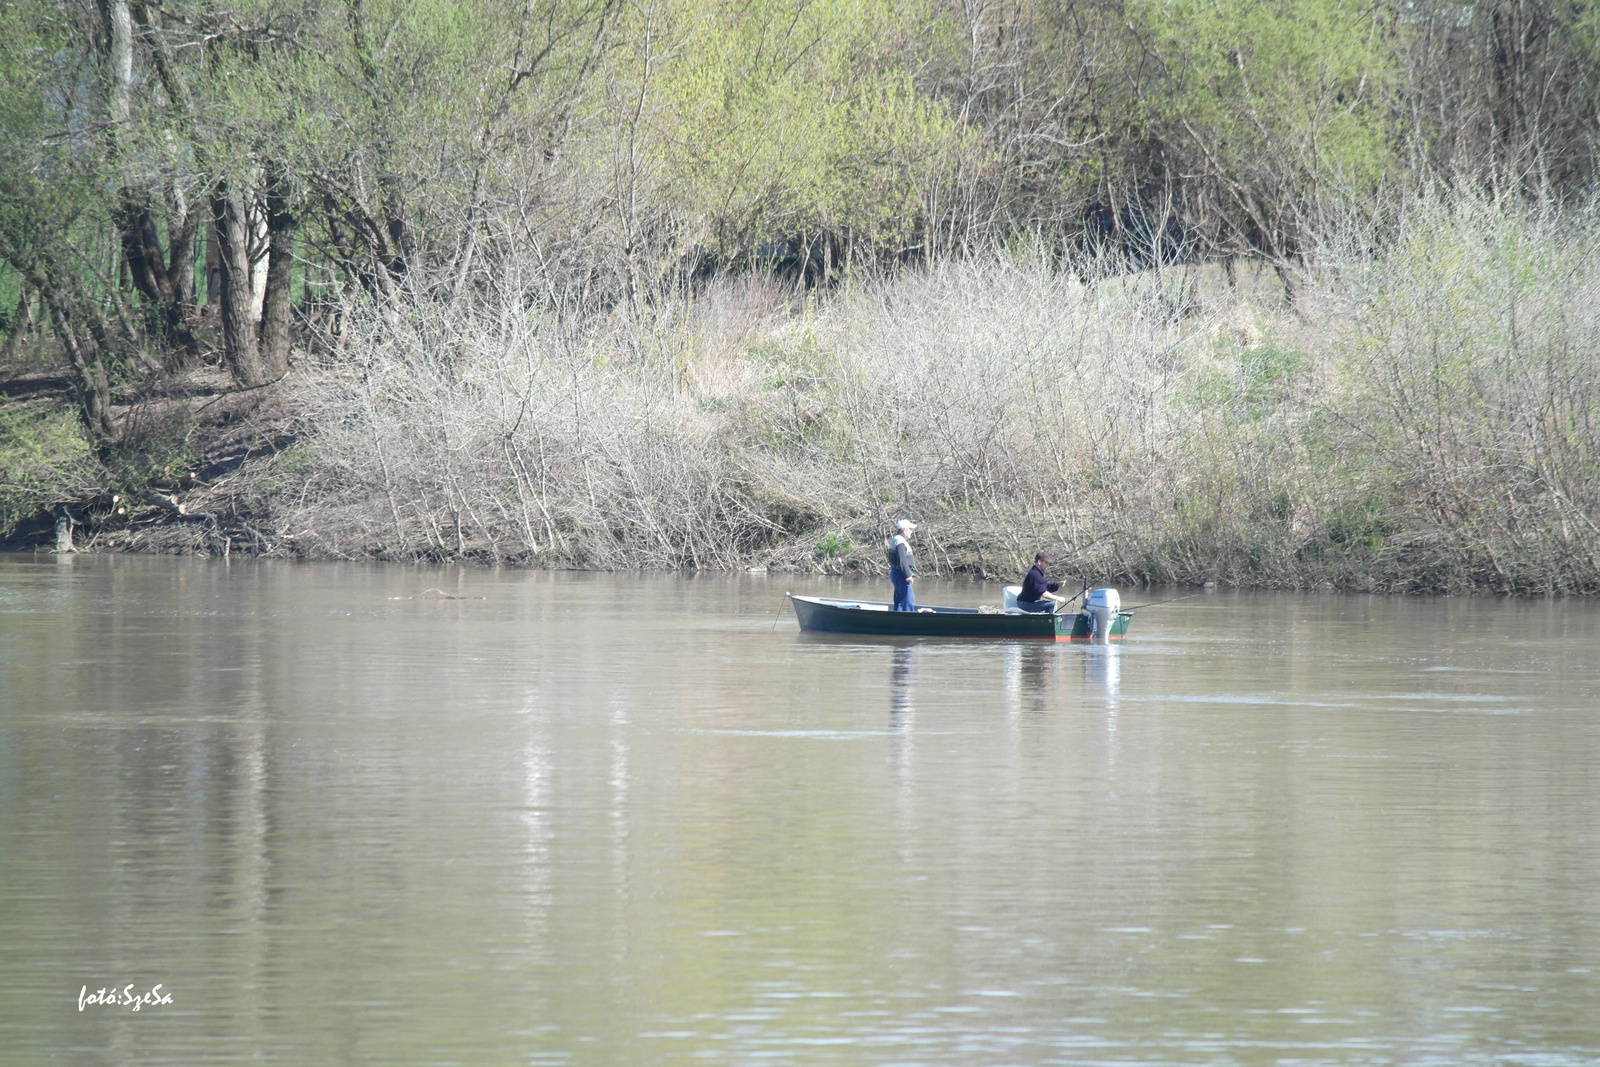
point(167, 282)
point(169, 287)
point(21, 323)
point(92, 381)
point(239, 344)
point(119, 38)
point(183, 221)
point(64, 533)
point(213, 267)
point(277, 309)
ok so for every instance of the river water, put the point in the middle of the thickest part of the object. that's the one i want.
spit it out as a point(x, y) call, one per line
point(598, 819)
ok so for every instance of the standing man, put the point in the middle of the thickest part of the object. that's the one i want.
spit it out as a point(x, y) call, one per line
point(1037, 594)
point(902, 566)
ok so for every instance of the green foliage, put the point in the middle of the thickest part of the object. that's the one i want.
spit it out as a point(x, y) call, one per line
point(832, 546)
point(1266, 372)
point(44, 458)
point(1580, 24)
point(775, 118)
point(1275, 103)
point(1362, 527)
point(297, 459)
point(1467, 308)
point(10, 290)
point(50, 171)
point(1257, 379)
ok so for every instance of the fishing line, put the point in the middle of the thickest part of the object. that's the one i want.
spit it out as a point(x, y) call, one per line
point(1158, 603)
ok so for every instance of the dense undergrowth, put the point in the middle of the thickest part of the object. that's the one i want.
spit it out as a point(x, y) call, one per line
point(1426, 418)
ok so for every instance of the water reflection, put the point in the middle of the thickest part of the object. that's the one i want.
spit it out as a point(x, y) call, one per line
point(538, 832)
point(1032, 673)
point(1011, 676)
point(902, 706)
point(903, 741)
point(1102, 671)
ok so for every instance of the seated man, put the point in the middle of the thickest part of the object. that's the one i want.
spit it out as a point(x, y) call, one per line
point(1037, 594)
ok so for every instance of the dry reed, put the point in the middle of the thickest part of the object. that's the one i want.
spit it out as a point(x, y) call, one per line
point(1423, 419)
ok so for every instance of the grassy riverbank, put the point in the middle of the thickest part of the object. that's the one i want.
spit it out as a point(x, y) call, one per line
point(1427, 419)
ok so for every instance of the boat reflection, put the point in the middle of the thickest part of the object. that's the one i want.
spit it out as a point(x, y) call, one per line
point(1030, 669)
point(1102, 671)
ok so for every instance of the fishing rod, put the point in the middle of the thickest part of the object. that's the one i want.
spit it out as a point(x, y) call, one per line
point(1158, 603)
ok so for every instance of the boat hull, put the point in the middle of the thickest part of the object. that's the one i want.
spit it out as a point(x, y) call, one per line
point(820, 615)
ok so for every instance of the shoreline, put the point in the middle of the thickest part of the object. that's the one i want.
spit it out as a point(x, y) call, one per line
point(965, 577)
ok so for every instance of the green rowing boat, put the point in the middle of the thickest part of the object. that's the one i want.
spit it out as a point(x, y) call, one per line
point(823, 615)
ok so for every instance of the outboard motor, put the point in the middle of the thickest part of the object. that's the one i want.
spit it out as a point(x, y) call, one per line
point(1102, 606)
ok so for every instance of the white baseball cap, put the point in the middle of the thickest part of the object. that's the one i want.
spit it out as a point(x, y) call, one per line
point(905, 524)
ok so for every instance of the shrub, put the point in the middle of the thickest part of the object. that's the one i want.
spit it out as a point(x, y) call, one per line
point(45, 461)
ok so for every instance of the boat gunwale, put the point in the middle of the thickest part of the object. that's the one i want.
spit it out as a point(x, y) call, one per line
point(877, 605)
